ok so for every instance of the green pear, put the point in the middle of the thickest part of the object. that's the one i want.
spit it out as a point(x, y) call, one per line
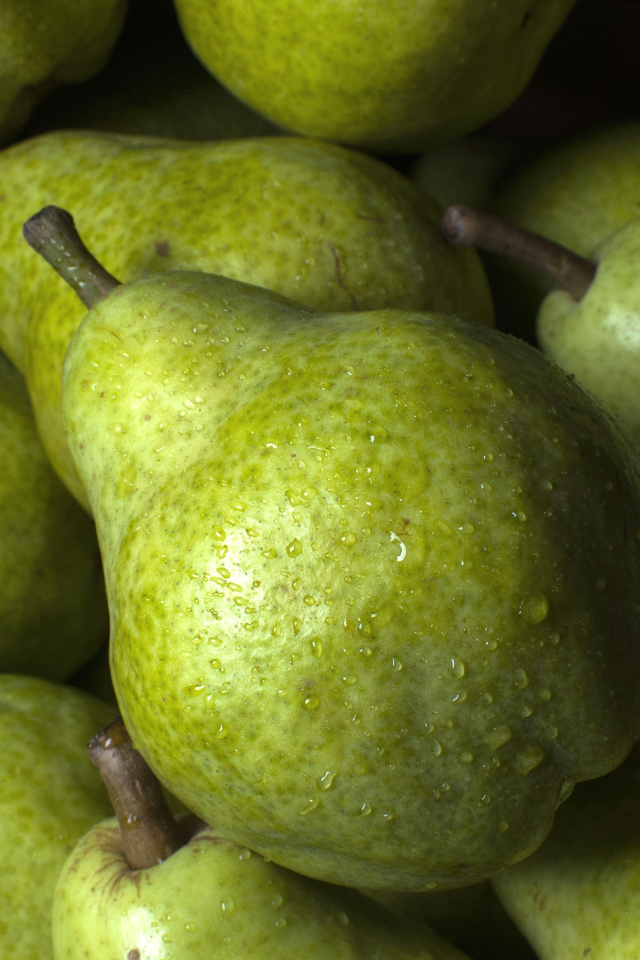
point(393, 77)
point(598, 338)
point(590, 322)
point(576, 193)
point(43, 45)
point(579, 894)
point(213, 898)
point(53, 609)
point(51, 795)
point(330, 227)
point(372, 575)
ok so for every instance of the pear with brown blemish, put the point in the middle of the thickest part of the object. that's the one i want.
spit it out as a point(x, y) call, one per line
point(372, 576)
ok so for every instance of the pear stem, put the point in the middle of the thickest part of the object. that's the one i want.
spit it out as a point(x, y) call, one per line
point(474, 228)
point(52, 233)
point(148, 830)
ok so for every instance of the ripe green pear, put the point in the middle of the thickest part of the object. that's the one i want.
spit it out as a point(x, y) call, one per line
point(53, 608)
point(398, 76)
point(598, 339)
point(51, 795)
point(331, 227)
point(579, 894)
point(213, 898)
point(577, 193)
point(43, 45)
point(372, 575)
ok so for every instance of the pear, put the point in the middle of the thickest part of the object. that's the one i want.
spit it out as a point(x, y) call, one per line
point(205, 896)
point(51, 796)
point(578, 895)
point(372, 576)
point(390, 77)
point(590, 322)
point(331, 227)
point(53, 609)
point(44, 45)
point(598, 338)
point(576, 192)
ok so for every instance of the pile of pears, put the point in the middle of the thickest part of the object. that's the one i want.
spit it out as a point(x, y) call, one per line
point(320, 486)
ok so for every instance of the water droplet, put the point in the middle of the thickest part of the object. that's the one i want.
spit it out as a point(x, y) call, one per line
point(520, 679)
point(365, 810)
point(270, 553)
point(397, 664)
point(466, 757)
point(227, 905)
point(316, 647)
point(326, 780)
point(281, 922)
point(311, 703)
point(312, 803)
point(498, 737)
point(534, 609)
point(342, 918)
point(308, 601)
point(297, 623)
point(457, 668)
point(528, 758)
point(245, 854)
point(277, 901)
point(294, 548)
point(348, 539)
point(566, 790)
point(437, 749)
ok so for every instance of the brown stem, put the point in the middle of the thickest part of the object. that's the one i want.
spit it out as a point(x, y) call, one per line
point(53, 234)
point(148, 830)
point(473, 228)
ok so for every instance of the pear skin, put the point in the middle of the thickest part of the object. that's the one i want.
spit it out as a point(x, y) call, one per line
point(372, 576)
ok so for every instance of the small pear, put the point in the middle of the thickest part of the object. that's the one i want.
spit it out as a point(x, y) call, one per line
point(53, 608)
point(331, 227)
point(51, 795)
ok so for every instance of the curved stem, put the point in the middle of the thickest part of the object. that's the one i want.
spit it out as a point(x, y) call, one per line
point(473, 228)
point(52, 233)
point(148, 830)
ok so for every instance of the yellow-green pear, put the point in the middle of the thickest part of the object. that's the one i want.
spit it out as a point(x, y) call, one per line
point(576, 193)
point(50, 796)
point(372, 575)
point(598, 338)
point(387, 75)
point(578, 896)
point(331, 227)
point(206, 896)
point(43, 45)
point(53, 608)
point(590, 322)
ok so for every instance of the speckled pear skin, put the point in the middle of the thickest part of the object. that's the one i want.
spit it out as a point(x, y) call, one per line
point(372, 576)
point(51, 796)
point(332, 228)
point(598, 339)
point(579, 894)
point(403, 76)
point(44, 45)
point(213, 898)
point(53, 607)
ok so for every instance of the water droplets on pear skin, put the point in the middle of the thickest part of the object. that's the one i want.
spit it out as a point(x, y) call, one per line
point(335, 549)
